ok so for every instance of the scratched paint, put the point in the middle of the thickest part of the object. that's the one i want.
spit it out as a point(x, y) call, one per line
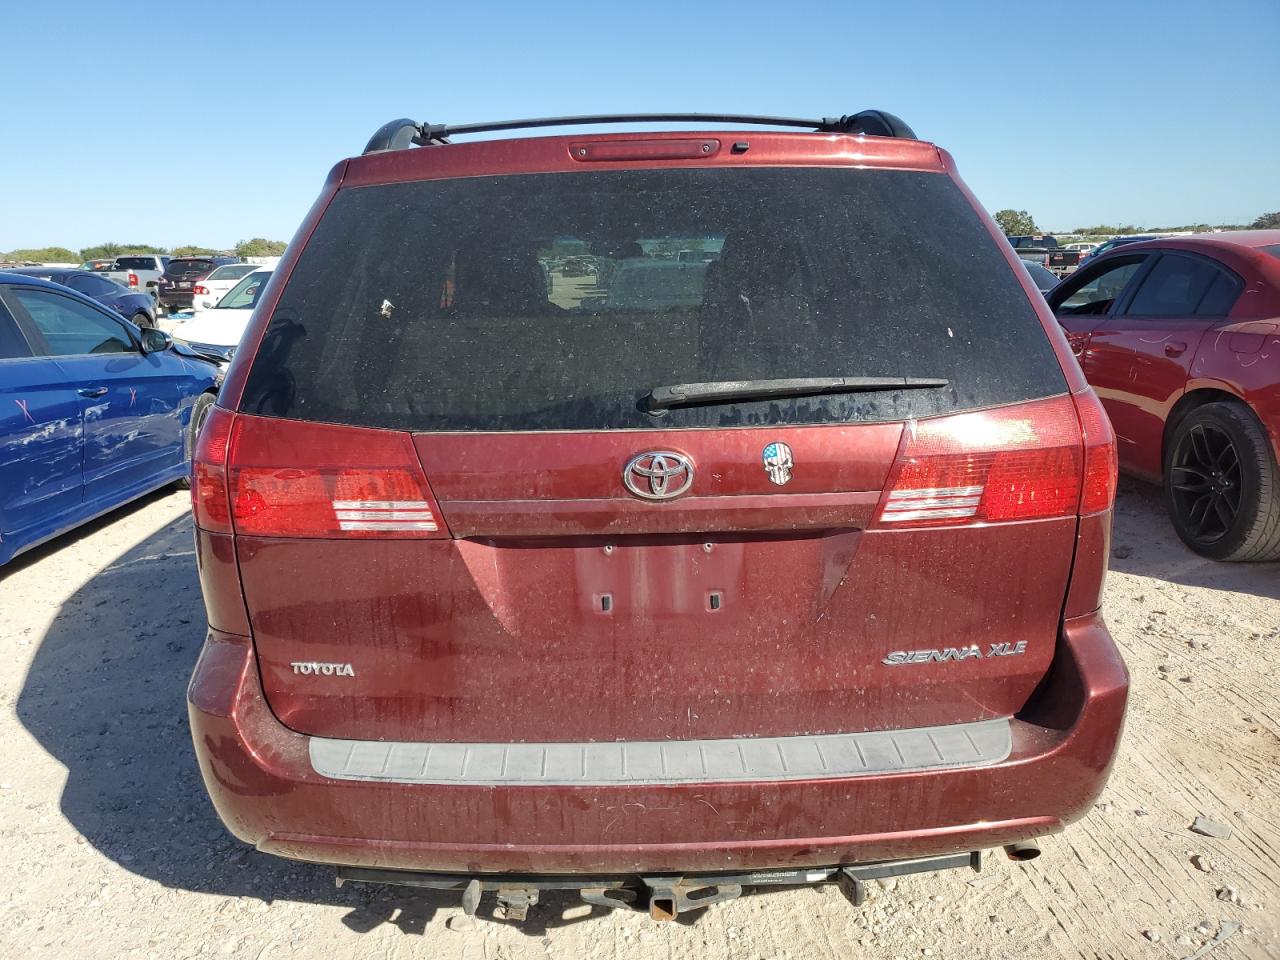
point(64, 457)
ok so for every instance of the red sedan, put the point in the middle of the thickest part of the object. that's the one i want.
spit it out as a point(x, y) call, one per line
point(1180, 337)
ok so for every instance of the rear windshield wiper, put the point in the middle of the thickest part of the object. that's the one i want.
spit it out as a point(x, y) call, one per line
point(684, 394)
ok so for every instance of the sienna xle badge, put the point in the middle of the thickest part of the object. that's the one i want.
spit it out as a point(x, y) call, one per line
point(656, 516)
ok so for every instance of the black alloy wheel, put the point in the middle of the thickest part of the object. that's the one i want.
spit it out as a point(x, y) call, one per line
point(1222, 483)
point(1205, 483)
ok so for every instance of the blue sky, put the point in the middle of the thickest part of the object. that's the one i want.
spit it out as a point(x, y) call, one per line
point(210, 123)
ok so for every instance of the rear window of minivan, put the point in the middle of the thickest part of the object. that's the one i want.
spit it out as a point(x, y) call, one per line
point(558, 301)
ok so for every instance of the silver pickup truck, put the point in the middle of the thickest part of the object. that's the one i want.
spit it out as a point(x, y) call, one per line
point(138, 271)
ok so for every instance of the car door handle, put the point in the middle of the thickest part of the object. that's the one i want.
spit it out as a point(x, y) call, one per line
point(1174, 348)
point(92, 392)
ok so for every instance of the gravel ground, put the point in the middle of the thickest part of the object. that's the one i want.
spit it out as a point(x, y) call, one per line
point(112, 850)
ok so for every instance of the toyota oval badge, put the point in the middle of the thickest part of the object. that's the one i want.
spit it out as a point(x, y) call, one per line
point(658, 474)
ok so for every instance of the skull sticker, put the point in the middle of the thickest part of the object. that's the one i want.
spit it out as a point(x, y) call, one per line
point(778, 462)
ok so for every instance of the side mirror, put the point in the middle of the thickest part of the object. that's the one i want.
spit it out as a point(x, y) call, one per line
point(154, 341)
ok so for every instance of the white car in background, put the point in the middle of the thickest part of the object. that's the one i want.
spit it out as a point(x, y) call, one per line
point(216, 332)
point(207, 292)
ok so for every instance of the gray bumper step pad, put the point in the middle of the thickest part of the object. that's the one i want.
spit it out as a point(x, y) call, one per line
point(827, 756)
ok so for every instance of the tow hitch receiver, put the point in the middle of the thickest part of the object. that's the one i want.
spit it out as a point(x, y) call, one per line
point(665, 897)
point(671, 896)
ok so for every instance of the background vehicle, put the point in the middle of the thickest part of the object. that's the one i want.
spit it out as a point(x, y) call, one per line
point(1084, 247)
point(133, 305)
point(177, 283)
point(1045, 250)
point(1180, 337)
point(503, 585)
point(576, 267)
point(1109, 245)
point(207, 292)
point(1045, 280)
point(94, 411)
point(140, 272)
point(215, 332)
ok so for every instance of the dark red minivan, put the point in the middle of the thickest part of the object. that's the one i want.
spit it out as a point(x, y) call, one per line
point(766, 550)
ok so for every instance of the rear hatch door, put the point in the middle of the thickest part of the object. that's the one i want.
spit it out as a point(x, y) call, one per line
point(559, 594)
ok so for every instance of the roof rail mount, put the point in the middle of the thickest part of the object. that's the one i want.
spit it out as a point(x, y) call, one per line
point(404, 133)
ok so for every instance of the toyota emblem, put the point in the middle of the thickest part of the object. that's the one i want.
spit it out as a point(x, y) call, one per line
point(658, 475)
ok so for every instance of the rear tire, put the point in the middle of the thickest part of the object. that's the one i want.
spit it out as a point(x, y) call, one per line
point(199, 414)
point(143, 320)
point(1222, 485)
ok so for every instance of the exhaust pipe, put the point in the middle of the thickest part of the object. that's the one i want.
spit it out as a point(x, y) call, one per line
point(1022, 852)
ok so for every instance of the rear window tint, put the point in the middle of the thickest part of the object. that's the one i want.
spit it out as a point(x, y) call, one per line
point(90, 285)
point(542, 302)
point(136, 263)
point(179, 268)
point(1174, 287)
point(1221, 296)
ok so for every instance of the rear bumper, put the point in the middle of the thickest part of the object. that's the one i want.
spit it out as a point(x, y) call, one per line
point(176, 299)
point(264, 786)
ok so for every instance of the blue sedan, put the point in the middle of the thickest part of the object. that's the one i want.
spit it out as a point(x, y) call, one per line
point(130, 304)
point(94, 411)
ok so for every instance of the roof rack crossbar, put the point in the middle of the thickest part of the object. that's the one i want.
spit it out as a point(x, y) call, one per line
point(399, 134)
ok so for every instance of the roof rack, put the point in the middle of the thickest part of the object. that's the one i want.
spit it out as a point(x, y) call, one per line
point(402, 134)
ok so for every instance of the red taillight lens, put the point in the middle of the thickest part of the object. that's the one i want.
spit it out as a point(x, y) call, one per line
point(209, 502)
point(1019, 463)
point(1100, 456)
point(291, 479)
point(133, 279)
point(198, 290)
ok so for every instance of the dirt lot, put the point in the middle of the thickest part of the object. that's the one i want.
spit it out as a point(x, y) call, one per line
point(112, 850)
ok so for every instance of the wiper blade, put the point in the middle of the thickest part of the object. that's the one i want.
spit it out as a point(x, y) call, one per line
point(684, 394)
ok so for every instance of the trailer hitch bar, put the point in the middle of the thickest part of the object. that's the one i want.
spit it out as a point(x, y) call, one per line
point(664, 897)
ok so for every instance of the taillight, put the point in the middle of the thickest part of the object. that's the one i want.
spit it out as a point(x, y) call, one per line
point(1100, 456)
point(198, 290)
point(1018, 463)
point(133, 279)
point(209, 502)
point(291, 479)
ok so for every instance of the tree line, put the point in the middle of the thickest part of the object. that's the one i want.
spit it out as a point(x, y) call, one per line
point(1019, 223)
point(257, 247)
